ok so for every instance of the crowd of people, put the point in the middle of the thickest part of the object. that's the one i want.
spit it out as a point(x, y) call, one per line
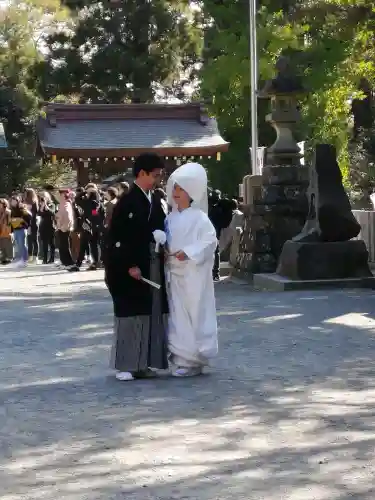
point(33, 225)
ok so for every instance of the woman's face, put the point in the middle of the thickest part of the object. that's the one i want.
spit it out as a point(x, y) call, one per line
point(180, 196)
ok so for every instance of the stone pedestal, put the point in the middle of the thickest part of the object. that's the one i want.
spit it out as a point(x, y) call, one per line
point(275, 283)
point(324, 261)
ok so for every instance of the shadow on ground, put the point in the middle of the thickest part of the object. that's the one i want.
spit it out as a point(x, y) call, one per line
point(287, 412)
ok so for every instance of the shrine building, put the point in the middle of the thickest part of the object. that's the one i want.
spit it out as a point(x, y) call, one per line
point(101, 140)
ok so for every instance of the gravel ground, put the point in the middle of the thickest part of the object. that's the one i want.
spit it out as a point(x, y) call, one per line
point(287, 413)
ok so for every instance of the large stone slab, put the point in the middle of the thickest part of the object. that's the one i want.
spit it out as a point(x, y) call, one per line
point(322, 261)
point(273, 282)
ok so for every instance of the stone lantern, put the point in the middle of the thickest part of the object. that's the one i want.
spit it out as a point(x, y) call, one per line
point(283, 92)
point(281, 212)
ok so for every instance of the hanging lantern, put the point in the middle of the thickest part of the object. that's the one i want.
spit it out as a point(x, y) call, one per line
point(124, 159)
point(209, 157)
point(166, 157)
point(114, 159)
point(98, 159)
point(53, 158)
point(218, 156)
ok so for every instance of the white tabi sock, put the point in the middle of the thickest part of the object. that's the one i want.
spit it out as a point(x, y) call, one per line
point(124, 376)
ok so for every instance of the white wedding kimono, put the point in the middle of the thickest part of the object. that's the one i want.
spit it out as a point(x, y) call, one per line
point(192, 332)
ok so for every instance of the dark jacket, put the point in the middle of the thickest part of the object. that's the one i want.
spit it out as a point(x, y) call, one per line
point(47, 219)
point(34, 217)
point(91, 214)
point(129, 245)
point(220, 214)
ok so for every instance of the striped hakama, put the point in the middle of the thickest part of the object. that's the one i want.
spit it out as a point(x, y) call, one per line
point(140, 342)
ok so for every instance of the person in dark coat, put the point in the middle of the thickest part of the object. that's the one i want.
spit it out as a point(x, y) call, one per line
point(31, 202)
point(92, 216)
point(139, 338)
point(46, 213)
point(220, 214)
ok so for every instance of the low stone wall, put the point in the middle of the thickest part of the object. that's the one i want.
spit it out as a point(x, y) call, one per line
point(367, 220)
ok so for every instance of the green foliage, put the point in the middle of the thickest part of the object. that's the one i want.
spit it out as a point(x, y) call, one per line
point(60, 174)
point(20, 26)
point(330, 66)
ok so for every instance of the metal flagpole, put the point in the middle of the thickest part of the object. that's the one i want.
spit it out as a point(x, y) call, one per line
point(253, 84)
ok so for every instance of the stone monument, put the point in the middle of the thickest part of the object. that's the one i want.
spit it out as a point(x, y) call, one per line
point(281, 212)
point(324, 253)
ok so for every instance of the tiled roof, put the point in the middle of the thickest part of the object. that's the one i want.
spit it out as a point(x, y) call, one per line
point(117, 134)
point(3, 142)
point(100, 133)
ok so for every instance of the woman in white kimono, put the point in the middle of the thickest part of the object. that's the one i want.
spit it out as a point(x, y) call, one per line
point(191, 242)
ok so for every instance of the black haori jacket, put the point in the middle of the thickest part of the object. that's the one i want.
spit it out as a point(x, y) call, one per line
point(129, 243)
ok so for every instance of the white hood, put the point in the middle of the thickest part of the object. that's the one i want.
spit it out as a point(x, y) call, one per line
point(192, 178)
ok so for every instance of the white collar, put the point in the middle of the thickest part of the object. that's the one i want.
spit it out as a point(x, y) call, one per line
point(148, 195)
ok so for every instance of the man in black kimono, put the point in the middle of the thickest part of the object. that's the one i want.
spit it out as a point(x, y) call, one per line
point(139, 337)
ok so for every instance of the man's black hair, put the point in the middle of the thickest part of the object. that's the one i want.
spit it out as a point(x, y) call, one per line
point(148, 162)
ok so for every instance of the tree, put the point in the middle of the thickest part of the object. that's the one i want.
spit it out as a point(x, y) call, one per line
point(20, 26)
point(330, 67)
point(129, 51)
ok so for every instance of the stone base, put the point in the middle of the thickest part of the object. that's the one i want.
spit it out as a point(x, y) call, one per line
point(225, 269)
point(277, 283)
point(241, 275)
point(324, 261)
